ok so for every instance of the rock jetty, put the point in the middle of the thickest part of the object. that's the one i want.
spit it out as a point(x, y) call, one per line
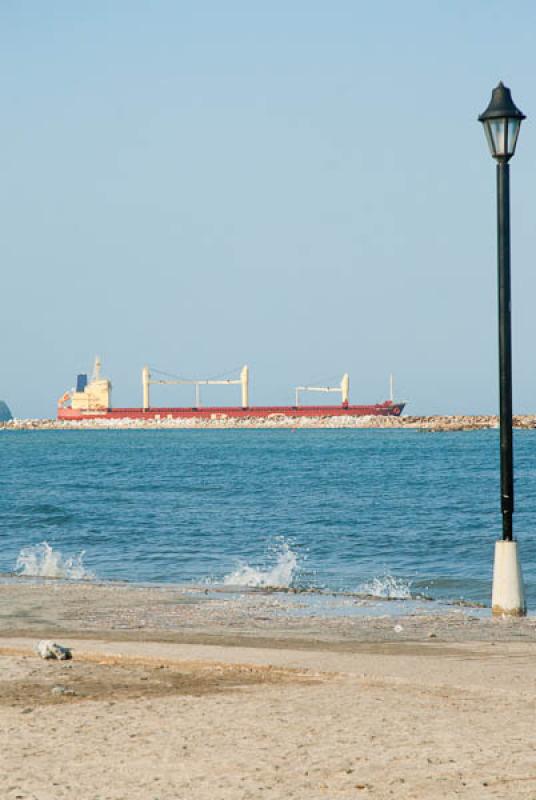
point(431, 424)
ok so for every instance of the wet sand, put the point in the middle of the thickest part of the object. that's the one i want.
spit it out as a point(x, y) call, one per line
point(174, 694)
point(125, 612)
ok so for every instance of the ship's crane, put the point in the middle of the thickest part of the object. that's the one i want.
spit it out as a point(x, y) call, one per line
point(343, 388)
point(148, 380)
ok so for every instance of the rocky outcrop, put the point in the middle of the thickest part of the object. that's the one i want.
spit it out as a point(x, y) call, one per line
point(5, 413)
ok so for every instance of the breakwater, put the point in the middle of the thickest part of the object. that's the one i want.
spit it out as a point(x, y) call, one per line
point(435, 423)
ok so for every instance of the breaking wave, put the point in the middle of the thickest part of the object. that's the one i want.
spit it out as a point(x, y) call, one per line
point(42, 561)
point(386, 587)
point(279, 575)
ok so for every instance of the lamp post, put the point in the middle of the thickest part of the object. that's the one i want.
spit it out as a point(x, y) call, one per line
point(502, 121)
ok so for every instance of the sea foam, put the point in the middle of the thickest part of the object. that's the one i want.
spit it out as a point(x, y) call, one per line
point(42, 561)
point(279, 575)
point(386, 587)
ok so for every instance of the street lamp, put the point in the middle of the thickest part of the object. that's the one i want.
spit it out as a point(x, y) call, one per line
point(502, 121)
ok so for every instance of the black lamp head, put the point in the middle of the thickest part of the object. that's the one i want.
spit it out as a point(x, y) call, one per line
point(502, 121)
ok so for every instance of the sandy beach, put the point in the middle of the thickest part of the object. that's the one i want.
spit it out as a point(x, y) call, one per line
point(177, 694)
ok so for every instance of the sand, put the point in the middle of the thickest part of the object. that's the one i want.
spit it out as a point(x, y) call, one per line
point(238, 699)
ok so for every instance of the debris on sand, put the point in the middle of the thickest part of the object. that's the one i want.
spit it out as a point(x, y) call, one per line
point(48, 649)
point(63, 690)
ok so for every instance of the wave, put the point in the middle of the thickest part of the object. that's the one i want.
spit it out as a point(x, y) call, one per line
point(42, 561)
point(387, 587)
point(279, 576)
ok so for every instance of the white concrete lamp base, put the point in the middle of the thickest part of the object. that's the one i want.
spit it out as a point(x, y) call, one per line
point(508, 596)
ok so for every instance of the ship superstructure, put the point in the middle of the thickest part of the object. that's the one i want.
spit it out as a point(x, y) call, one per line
point(94, 395)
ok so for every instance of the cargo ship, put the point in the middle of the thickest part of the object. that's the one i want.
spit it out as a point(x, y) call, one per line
point(93, 400)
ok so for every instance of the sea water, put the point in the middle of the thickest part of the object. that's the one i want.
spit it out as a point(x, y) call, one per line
point(388, 513)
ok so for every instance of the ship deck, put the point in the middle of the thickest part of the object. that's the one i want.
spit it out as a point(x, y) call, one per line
point(236, 412)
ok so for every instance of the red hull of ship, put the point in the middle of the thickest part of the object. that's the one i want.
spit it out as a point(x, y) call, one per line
point(235, 412)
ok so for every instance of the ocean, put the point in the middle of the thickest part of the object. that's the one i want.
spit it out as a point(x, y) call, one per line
point(388, 513)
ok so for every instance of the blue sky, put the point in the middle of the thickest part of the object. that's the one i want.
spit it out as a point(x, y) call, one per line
point(300, 186)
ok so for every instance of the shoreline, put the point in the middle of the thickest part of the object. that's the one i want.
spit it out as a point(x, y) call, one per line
point(434, 423)
point(126, 612)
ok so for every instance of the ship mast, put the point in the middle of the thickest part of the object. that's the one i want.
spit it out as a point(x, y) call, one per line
point(97, 368)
